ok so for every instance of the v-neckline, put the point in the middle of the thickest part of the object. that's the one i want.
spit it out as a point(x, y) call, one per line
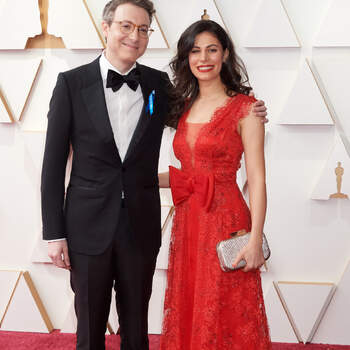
point(213, 117)
point(228, 100)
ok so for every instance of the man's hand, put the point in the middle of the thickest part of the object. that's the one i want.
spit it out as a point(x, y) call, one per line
point(259, 109)
point(58, 253)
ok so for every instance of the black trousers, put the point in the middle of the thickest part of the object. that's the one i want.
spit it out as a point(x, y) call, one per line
point(129, 270)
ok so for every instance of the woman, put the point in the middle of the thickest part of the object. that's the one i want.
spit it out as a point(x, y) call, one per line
point(206, 308)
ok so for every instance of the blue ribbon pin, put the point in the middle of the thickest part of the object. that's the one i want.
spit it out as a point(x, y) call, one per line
point(150, 106)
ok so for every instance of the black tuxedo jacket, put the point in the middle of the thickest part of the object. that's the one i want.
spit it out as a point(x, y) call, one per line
point(88, 214)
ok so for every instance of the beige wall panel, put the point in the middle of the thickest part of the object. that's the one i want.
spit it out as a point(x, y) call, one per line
point(26, 312)
point(155, 315)
point(6, 115)
point(8, 281)
point(307, 304)
point(187, 11)
point(158, 39)
point(335, 28)
point(23, 17)
point(328, 181)
point(55, 61)
point(71, 20)
point(305, 103)
point(167, 218)
point(17, 77)
point(263, 34)
point(69, 324)
point(334, 328)
point(333, 70)
point(306, 17)
point(280, 327)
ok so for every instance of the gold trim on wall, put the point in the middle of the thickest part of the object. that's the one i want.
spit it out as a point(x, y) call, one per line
point(161, 31)
point(7, 107)
point(31, 88)
point(38, 301)
point(320, 315)
point(167, 219)
point(289, 315)
point(94, 23)
point(11, 297)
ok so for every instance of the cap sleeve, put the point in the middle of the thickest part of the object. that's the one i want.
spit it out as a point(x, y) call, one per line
point(245, 107)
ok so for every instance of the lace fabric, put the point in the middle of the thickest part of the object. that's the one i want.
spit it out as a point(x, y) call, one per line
point(206, 308)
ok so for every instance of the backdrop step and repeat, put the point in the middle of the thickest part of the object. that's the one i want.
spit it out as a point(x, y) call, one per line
point(297, 53)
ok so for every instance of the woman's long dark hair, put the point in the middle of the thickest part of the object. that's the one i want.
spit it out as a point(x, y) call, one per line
point(233, 73)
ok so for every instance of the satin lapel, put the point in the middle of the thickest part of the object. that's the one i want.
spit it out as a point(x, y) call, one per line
point(145, 118)
point(94, 98)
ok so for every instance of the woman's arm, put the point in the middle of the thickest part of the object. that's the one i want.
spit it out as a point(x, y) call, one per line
point(164, 180)
point(252, 132)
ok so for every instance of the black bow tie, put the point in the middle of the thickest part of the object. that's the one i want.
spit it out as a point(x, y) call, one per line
point(116, 80)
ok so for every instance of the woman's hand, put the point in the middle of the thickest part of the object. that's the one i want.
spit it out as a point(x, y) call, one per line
point(253, 255)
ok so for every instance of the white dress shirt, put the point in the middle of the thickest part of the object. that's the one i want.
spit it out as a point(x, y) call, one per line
point(124, 109)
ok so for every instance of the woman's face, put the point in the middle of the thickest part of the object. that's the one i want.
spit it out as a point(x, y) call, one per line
point(206, 57)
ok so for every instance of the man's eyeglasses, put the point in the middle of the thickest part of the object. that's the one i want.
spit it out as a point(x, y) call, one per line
point(127, 27)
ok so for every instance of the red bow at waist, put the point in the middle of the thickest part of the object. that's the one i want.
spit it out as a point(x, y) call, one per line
point(183, 185)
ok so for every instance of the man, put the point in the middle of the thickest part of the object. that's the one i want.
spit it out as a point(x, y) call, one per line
point(106, 230)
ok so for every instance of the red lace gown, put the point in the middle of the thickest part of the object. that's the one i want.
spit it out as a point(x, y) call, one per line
point(206, 308)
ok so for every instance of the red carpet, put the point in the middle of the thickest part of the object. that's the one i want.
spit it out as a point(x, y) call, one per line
point(59, 341)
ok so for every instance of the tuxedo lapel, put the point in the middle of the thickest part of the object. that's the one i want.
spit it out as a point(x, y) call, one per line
point(147, 86)
point(95, 101)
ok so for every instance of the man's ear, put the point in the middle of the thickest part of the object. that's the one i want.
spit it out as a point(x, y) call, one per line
point(105, 28)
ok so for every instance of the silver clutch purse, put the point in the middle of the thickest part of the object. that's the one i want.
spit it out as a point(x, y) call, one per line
point(229, 248)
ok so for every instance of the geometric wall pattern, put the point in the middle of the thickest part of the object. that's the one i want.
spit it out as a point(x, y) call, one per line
point(334, 179)
point(281, 329)
point(74, 26)
point(175, 16)
point(89, 34)
point(17, 75)
point(5, 112)
point(25, 310)
point(305, 104)
point(332, 331)
point(262, 34)
point(157, 40)
point(167, 214)
point(18, 14)
point(8, 282)
point(197, 8)
point(305, 317)
point(291, 320)
point(335, 28)
point(17, 78)
point(38, 104)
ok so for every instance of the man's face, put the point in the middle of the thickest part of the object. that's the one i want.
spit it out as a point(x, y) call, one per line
point(126, 48)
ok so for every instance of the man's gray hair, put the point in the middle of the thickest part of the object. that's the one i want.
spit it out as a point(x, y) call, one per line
point(111, 6)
